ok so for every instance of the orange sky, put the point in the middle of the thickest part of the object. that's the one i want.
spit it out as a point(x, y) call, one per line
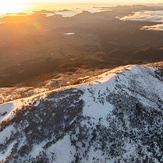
point(21, 5)
point(80, 1)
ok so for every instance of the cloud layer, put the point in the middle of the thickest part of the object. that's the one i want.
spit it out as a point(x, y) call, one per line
point(157, 27)
point(147, 16)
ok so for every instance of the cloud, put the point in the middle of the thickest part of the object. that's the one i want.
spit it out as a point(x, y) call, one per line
point(146, 16)
point(149, 16)
point(157, 27)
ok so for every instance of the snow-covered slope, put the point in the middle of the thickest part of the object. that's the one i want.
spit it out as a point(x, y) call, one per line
point(116, 117)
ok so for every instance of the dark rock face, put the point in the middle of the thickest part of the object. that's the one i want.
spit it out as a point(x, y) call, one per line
point(118, 120)
point(159, 74)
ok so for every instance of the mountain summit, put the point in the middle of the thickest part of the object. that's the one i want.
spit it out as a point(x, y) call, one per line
point(115, 117)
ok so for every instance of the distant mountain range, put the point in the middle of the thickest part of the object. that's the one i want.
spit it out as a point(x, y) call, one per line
point(115, 117)
point(35, 47)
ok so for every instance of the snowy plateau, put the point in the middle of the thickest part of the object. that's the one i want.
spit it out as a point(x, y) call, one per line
point(116, 117)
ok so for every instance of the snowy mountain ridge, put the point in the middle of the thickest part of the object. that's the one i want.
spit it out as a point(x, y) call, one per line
point(115, 117)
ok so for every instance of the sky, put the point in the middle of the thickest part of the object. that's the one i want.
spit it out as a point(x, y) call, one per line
point(81, 1)
point(8, 6)
point(99, 1)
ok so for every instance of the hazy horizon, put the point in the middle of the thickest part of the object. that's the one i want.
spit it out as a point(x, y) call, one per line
point(79, 1)
point(61, 38)
point(29, 6)
point(22, 5)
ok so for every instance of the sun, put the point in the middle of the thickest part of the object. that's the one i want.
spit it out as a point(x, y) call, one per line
point(8, 6)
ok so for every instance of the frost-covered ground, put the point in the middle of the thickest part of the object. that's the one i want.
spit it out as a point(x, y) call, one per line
point(12, 93)
point(8, 94)
point(115, 117)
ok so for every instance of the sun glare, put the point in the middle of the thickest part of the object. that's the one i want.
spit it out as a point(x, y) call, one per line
point(11, 6)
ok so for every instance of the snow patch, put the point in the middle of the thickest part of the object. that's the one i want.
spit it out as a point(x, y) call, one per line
point(62, 150)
